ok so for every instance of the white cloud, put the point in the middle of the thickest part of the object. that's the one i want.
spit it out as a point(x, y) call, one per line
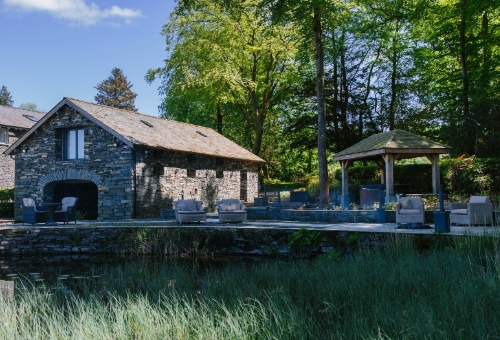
point(76, 11)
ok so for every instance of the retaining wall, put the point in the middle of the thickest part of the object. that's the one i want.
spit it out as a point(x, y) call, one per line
point(173, 240)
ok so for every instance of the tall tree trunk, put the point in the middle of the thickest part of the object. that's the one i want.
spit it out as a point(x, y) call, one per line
point(463, 58)
point(335, 99)
point(219, 119)
point(392, 104)
point(324, 195)
point(259, 124)
point(344, 94)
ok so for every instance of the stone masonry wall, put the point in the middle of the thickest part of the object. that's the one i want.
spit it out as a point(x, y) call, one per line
point(160, 176)
point(107, 163)
point(165, 176)
point(184, 240)
point(7, 164)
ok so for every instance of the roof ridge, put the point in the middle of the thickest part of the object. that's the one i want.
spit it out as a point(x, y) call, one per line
point(139, 113)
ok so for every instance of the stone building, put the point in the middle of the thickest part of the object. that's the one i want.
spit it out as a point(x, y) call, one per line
point(122, 164)
point(14, 123)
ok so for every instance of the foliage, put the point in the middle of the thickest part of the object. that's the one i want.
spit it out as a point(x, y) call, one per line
point(116, 91)
point(7, 195)
point(30, 107)
point(275, 299)
point(7, 209)
point(229, 67)
point(5, 97)
point(304, 239)
point(471, 176)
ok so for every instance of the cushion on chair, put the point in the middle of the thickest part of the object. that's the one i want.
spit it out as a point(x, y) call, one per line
point(405, 203)
point(199, 206)
point(459, 211)
point(190, 204)
point(409, 211)
point(479, 199)
point(223, 207)
point(233, 203)
point(181, 207)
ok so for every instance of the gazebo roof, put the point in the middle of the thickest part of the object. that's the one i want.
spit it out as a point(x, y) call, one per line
point(405, 144)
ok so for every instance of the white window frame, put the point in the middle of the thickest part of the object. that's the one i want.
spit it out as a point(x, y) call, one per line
point(4, 136)
point(74, 144)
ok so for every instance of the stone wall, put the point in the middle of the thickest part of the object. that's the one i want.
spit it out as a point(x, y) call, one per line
point(175, 240)
point(160, 176)
point(107, 163)
point(7, 165)
point(165, 176)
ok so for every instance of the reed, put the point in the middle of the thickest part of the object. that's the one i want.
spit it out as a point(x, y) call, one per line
point(451, 290)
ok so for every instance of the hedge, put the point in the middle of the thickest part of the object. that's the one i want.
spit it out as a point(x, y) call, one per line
point(7, 202)
point(466, 176)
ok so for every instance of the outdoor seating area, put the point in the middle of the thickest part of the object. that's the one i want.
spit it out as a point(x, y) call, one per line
point(32, 213)
point(478, 211)
point(67, 213)
point(46, 212)
point(410, 210)
point(232, 210)
point(189, 210)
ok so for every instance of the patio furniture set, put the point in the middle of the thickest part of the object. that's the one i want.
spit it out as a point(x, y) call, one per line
point(191, 210)
point(49, 212)
point(478, 211)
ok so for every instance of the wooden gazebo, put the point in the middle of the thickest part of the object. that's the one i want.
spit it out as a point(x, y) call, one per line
point(385, 148)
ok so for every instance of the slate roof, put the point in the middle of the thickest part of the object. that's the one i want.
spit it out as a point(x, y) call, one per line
point(395, 141)
point(135, 128)
point(12, 117)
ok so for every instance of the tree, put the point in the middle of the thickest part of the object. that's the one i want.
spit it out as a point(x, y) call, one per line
point(229, 66)
point(30, 107)
point(308, 14)
point(5, 97)
point(116, 91)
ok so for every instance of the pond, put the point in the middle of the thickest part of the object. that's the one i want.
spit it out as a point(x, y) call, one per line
point(108, 271)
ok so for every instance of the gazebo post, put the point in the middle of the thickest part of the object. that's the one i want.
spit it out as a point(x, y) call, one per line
point(436, 185)
point(344, 199)
point(389, 177)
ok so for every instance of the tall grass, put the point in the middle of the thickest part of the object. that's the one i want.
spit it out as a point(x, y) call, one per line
point(450, 291)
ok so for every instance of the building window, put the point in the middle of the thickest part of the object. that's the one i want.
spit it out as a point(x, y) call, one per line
point(4, 136)
point(191, 172)
point(219, 174)
point(158, 170)
point(73, 144)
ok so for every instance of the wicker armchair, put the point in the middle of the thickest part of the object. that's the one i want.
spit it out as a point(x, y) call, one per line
point(410, 210)
point(231, 210)
point(478, 211)
point(189, 210)
point(68, 210)
point(31, 212)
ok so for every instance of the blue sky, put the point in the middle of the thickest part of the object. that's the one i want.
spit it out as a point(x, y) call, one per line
point(52, 49)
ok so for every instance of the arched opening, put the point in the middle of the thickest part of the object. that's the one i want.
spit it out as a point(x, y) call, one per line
point(85, 191)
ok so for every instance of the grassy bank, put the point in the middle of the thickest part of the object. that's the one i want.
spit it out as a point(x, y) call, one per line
point(449, 291)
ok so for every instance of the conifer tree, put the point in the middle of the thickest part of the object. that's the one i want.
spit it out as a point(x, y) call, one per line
point(5, 97)
point(115, 91)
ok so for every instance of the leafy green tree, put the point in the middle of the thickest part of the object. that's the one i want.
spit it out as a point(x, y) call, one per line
point(228, 66)
point(30, 107)
point(308, 15)
point(116, 91)
point(462, 63)
point(5, 97)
